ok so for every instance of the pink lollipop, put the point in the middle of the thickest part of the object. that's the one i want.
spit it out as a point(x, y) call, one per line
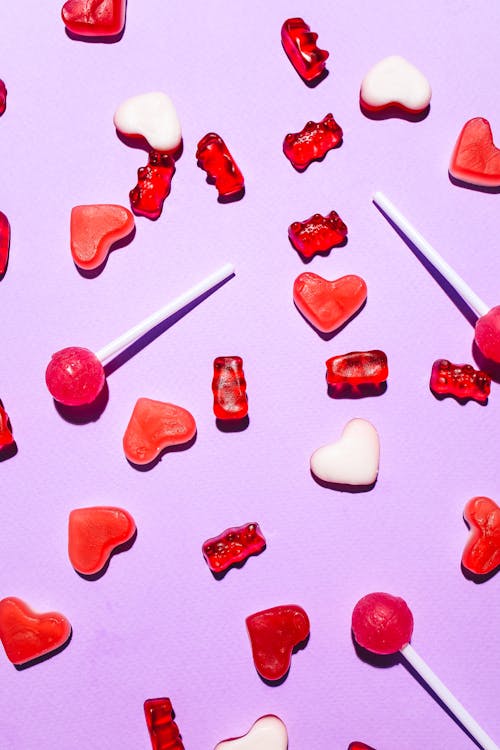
point(75, 376)
point(383, 624)
point(487, 329)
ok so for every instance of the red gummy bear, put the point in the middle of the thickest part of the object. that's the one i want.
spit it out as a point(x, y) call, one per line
point(94, 229)
point(357, 368)
point(274, 633)
point(233, 546)
point(163, 730)
point(153, 185)
point(93, 534)
point(299, 43)
point(461, 381)
point(482, 552)
point(318, 234)
point(94, 18)
point(229, 388)
point(6, 436)
point(382, 623)
point(313, 142)
point(327, 305)
point(475, 158)
point(4, 242)
point(154, 426)
point(3, 97)
point(27, 635)
point(213, 157)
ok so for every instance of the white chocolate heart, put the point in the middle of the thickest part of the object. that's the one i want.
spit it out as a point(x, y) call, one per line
point(353, 459)
point(153, 116)
point(268, 733)
point(394, 80)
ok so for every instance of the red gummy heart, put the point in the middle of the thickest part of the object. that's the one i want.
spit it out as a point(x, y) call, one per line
point(94, 533)
point(154, 426)
point(274, 633)
point(475, 158)
point(94, 229)
point(328, 304)
point(482, 551)
point(94, 17)
point(27, 635)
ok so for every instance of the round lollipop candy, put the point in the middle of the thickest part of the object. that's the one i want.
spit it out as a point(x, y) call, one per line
point(75, 375)
point(383, 624)
point(487, 329)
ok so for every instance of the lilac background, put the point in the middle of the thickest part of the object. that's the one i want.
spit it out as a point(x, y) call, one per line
point(157, 623)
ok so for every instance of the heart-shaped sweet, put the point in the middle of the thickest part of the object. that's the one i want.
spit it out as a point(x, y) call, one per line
point(395, 82)
point(267, 733)
point(327, 305)
point(94, 17)
point(27, 635)
point(274, 633)
point(482, 552)
point(154, 426)
point(94, 229)
point(151, 116)
point(93, 534)
point(354, 459)
point(475, 158)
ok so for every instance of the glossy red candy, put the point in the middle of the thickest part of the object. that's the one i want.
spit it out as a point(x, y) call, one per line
point(313, 142)
point(74, 376)
point(482, 551)
point(4, 242)
point(299, 43)
point(327, 305)
point(3, 97)
point(229, 388)
point(318, 234)
point(154, 426)
point(274, 633)
point(27, 635)
point(357, 368)
point(93, 534)
point(94, 229)
point(475, 158)
point(382, 623)
point(213, 156)
point(233, 546)
point(163, 730)
point(359, 746)
point(487, 335)
point(94, 17)
point(6, 436)
point(153, 185)
point(462, 381)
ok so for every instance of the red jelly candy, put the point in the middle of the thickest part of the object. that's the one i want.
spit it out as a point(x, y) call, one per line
point(299, 43)
point(359, 746)
point(94, 533)
point(357, 368)
point(233, 546)
point(3, 97)
point(163, 730)
point(75, 376)
point(382, 623)
point(213, 156)
point(27, 635)
point(475, 158)
point(482, 551)
point(229, 388)
point(313, 142)
point(94, 229)
point(153, 185)
point(327, 305)
point(317, 234)
point(94, 17)
point(4, 242)
point(274, 633)
point(6, 436)
point(487, 335)
point(461, 381)
point(154, 426)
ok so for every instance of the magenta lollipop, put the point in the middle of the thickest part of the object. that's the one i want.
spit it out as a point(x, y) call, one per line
point(383, 624)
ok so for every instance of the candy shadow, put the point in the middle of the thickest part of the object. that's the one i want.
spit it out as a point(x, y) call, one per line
point(170, 449)
point(219, 576)
point(9, 451)
point(490, 368)
point(87, 412)
point(364, 390)
point(116, 551)
point(40, 659)
point(319, 160)
point(92, 273)
point(470, 186)
point(329, 336)
point(232, 425)
point(312, 84)
point(297, 647)
point(461, 401)
point(321, 253)
point(393, 112)
point(353, 489)
point(476, 577)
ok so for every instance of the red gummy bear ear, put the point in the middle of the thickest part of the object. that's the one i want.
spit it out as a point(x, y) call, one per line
point(94, 533)
point(28, 635)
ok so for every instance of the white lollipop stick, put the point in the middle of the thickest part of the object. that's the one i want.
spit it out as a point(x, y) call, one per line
point(475, 303)
point(164, 312)
point(448, 698)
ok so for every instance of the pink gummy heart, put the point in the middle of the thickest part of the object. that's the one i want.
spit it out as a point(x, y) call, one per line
point(94, 229)
point(274, 633)
point(475, 158)
point(154, 426)
point(94, 17)
point(27, 635)
point(327, 305)
point(94, 533)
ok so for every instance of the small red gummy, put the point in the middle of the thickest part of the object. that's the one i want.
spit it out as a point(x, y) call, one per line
point(153, 185)
point(482, 552)
point(6, 436)
point(4, 242)
point(154, 426)
point(357, 368)
point(27, 635)
point(94, 18)
point(93, 534)
point(312, 142)
point(229, 388)
point(318, 234)
point(461, 381)
point(233, 546)
point(274, 633)
point(163, 730)
point(299, 43)
point(213, 156)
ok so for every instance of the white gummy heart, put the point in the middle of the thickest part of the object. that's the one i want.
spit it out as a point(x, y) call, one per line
point(394, 80)
point(153, 116)
point(354, 459)
point(268, 733)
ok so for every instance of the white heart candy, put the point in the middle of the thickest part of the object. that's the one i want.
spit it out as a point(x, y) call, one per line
point(353, 459)
point(268, 733)
point(394, 80)
point(153, 116)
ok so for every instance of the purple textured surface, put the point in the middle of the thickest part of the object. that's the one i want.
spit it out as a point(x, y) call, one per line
point(157, 623)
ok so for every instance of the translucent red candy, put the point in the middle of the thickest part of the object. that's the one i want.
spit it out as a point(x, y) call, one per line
point(318, 234)
point(154, 426)
point(482, 551)
point(313, 142)
point(6, 436)
point(163, 730)
point(94, 229)
point(357, 368)
point(233, 546)
point(74, 376)
point(382, 623)
point(94, 17)
point(327, 305)
point(299, 43)
point(359, 746)
point(4, 242)
point(229, 388)
point(274, 633)
point(27, 635)
point(475, 158)
point(487, 335)
point(462, 381)
point(153, 185)
point(3, 97)
point(93, 534)
point(213, 157)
